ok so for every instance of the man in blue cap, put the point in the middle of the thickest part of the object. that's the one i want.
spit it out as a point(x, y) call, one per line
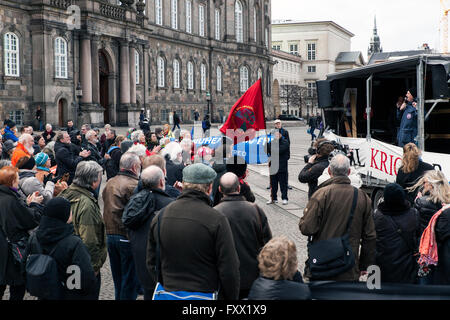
point(197, 247)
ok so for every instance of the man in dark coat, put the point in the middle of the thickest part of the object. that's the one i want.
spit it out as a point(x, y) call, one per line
point(137, 218)
point(55, 235)
point(250, 229)
point(312, 127)
point(91, 146)
point(176, 121)
point(326, 215)
point(397, 228)
point(66, 160)
point(110, 139)
point(316, 165)
point(202, 256)
point(278, 151)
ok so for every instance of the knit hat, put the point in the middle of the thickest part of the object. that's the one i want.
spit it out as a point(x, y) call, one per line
point(58, 208)
point(198, 173)
point(394, 195)
point(41, 158)
point(29, 165)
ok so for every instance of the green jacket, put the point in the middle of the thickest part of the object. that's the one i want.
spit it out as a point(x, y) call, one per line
point(88, 223)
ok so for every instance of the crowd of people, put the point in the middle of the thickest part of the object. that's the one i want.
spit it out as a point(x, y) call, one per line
point(186, 218)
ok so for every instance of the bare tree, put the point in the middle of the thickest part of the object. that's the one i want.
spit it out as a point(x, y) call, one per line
point(291, 96)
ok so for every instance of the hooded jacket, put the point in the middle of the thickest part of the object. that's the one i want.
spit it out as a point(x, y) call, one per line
point(88, 222)
point(28, 184)
point(69, 250)
point(18, 153)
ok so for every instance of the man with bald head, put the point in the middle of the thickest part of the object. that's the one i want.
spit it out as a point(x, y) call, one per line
point(249, 226)
point(138, 215)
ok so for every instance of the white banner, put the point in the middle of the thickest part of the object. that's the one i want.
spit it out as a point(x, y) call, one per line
point(382, 160)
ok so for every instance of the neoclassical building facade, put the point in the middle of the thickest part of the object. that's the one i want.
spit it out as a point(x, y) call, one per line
point(102, 61)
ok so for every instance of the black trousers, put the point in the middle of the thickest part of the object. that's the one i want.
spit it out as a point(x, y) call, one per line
point(15, 292)
point(282, 179)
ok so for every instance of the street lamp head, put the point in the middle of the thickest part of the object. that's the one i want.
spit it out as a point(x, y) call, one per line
point(208, 96)
point(79, 91)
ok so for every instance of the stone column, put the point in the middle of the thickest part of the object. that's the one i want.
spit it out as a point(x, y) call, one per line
point(95, 70)
point(132, 74)
point(146, 75)
point(124, 73)
point(86, 69)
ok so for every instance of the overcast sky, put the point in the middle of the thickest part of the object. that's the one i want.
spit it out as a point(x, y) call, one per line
point(402, 24)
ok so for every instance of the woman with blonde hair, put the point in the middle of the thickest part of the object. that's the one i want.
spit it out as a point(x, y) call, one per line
point(411, 170)
point(433, 205)
point(279, 278)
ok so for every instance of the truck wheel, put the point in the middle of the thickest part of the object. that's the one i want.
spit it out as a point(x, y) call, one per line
point(377, 198)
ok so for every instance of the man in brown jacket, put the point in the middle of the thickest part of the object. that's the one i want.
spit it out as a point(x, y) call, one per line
point(117, 192)
point(327, 212)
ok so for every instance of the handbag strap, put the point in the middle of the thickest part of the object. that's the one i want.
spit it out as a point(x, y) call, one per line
point(352, 212)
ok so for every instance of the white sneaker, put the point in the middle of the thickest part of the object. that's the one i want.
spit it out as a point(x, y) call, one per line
point(285, 202)
point(272, 201)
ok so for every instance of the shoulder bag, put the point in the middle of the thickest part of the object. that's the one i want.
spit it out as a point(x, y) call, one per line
point(331, 257)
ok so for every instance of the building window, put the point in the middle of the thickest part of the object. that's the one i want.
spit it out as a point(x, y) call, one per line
point(174, 14)
point(201, 20)
point(255, 20)
point(12, 64)
point(188, 16)
point(203, 77)
point(136, 64)
point(60, 58)
point(311, 69)
point(266, 38)
point(243, 79)
point(161, 72)
point(239, 29)
point(276, 47)
point(219, 78)
point(190, 72)
point(165, 115)
point(311, 51)
point(293, 49)
point(311, 89)
point(16, 116)
point(217, 25)
point(158, 12)
point(176, 74)
point(260, 74)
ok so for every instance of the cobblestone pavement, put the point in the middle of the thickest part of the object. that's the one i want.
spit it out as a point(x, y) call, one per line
point(283, 220)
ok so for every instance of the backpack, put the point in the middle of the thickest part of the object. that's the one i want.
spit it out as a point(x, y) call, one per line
point(42, 277)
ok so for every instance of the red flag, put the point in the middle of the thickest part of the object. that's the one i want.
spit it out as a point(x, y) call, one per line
point(247, 114)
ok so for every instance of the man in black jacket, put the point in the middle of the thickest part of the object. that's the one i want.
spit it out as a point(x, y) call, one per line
point(202, 256)
point(316, 165)
point(137, 218)
point(91, 146)
point(278, 151)
point(250, 229)
point(66, 159)
point(55, 233)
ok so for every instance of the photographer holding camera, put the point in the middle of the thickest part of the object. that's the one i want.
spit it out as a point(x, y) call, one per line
point(316, 164)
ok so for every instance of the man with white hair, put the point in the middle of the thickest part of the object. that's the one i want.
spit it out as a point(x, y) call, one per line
point(153, 186)
point(48, 134)
point(87, 218)
point(91, 145)
point(117, 193)
point(328, 215)
point(24, 148)
point(139, 150)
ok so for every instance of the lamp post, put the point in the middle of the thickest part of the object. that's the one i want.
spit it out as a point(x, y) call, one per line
point(208, 100)
point(79, 94)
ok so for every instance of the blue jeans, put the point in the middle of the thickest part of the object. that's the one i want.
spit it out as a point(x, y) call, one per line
point(313, 136)
point(176, 125)
point(126, 283)
point(41, 125)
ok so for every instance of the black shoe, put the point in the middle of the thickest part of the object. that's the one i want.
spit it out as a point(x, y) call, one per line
point(289, 187)
point(268, 188)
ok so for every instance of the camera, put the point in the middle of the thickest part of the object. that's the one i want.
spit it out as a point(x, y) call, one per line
point(311, 151)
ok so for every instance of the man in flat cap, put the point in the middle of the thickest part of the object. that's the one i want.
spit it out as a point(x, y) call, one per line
point(197, 247)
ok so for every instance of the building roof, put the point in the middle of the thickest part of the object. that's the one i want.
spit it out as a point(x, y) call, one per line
point(350, 57)
point(395, 55)
point(291, 22)
point(286, 55)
